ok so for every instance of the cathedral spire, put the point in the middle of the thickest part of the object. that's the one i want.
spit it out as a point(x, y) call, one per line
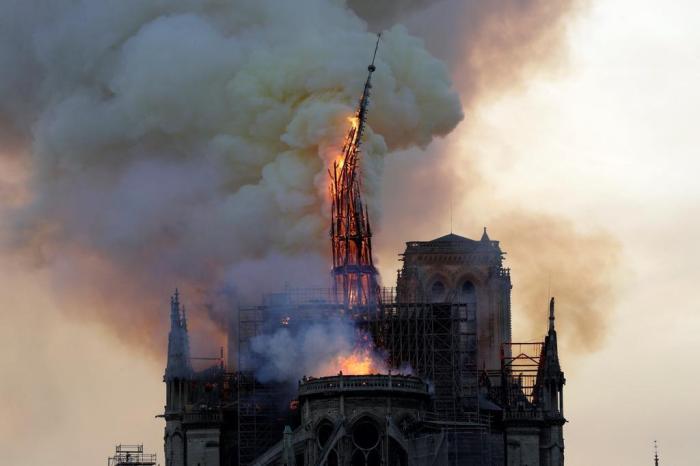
point(551, 352)
point(550, 376)
point(485, 236)
point(178, 365)
point(551, 315)
point(354, 275)
point(175, 310)
point(656, 454)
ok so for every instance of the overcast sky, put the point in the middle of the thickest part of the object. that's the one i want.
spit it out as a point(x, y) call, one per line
point(608, 139)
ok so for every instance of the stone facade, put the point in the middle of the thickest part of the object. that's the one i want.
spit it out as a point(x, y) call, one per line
point(457, 269)
point(212, 416)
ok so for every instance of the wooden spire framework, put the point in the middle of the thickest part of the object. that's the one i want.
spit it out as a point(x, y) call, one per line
point(354, 276)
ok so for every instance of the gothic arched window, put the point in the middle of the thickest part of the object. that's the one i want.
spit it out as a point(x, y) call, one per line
point(468, 296)
point(437, 291)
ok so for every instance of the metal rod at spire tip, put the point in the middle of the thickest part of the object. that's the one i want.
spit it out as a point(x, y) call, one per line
point(376, 47)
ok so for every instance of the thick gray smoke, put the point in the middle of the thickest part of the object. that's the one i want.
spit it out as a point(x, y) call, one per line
point(150, 143)
point(170, 142)
point(317, 350)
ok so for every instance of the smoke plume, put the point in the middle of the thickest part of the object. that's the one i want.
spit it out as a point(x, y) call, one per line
point(491, 46)
point(171, 143)
point(550, 257)
point(186, 142)
point(317, 349)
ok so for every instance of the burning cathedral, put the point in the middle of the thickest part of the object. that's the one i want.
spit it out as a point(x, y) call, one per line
point(444, 385)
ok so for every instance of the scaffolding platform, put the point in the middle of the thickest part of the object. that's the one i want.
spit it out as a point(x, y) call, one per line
point(131, 455)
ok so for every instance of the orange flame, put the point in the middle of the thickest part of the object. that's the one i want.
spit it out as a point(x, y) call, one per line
point(361, 363)
point(364, 359)
point(349, 139)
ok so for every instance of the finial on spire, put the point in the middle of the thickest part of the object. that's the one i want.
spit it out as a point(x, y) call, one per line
point(551, 314)
point(371, 66)
point(175, 309)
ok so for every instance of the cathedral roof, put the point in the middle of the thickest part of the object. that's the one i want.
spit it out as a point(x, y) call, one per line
point(452, 243)
point(452, 238)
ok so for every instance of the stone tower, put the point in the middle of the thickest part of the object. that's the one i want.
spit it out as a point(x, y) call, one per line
point(457, 269)
point(534, 424)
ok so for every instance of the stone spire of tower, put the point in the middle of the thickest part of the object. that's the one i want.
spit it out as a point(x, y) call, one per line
point(551, 316)
point(485, 236)
point(175, 309)
point(550, 352)
point(656, 454)
point(178, 365)
point(550, 395)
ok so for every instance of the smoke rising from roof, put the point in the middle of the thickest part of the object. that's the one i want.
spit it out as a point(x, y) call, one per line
point(317, 349)
point(172, 142)
point(186, 142)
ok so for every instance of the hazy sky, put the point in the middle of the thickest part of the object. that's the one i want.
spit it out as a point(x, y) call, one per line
point(606, 139)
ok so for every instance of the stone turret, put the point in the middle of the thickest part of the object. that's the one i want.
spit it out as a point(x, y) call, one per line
point(550, 386)
point(177, 372)
point(178, 365)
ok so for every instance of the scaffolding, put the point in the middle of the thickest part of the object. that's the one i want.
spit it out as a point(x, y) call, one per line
point(519, 368)
point(131, 455)
point(436, 339)
point(257, 429)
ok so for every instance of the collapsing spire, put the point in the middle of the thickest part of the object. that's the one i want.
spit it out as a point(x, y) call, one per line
point(178, 342)
point(354, 275)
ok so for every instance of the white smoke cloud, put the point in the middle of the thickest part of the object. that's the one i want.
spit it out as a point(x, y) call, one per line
point(172, 141)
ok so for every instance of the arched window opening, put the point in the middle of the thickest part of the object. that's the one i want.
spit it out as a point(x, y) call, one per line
point(397, 455)
point(332, 458)
point(437, 291)
point(358, 458)
point(468, 294)
point(324, 432)
point(374, 458)
point(365, 434)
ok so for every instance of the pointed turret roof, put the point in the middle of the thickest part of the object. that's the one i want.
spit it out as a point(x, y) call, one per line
point(656, 454)
point(178, 365)
point(485, 236)
point(550, 353)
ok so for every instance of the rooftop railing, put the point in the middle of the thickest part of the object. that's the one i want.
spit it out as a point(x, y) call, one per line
point(359, 383)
